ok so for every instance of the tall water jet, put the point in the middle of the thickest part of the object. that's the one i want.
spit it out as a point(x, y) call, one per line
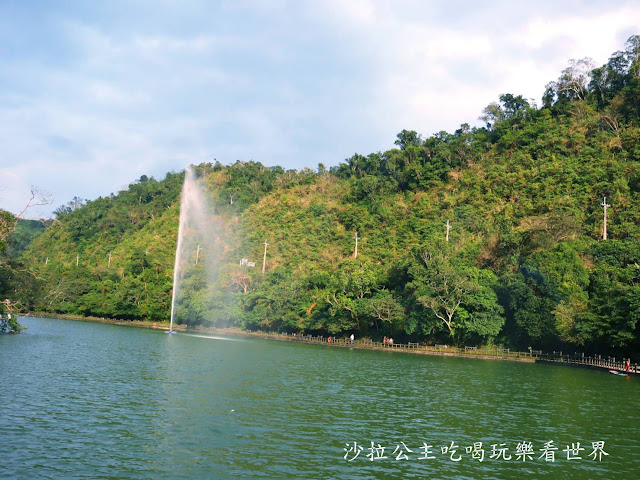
point(194, 229)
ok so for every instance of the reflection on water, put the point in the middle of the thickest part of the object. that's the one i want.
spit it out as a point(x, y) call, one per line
point(101, 401)
point(213, 337)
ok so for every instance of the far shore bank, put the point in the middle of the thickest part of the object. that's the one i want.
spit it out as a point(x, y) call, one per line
point(110, 321)
point(484, 353)
point(364, 344)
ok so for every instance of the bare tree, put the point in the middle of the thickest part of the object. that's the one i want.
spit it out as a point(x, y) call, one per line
point(632, 53)
point(240, 280)
point(38, 198)
point(9, 222)
point(574, 79)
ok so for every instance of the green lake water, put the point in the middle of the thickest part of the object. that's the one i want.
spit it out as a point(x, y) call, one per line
point(85, 400)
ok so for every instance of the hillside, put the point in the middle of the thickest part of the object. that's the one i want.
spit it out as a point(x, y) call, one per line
point(525, 264)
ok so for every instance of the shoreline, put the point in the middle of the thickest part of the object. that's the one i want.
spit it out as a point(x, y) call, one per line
point(109, 321)
point(358, 344)
point(362, 344)
point(283, 337)
point(237, 332)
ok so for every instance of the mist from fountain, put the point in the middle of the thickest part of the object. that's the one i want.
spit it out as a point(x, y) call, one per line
point(194, 230)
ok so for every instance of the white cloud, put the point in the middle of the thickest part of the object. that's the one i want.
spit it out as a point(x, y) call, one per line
point(198, 44)
point(278, 82)
point(425, 72)
point(111, 95)
point(595, 34)
point(360, 13)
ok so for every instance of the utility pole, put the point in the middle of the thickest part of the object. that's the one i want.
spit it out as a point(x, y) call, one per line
point(197, 253)
point(109, 265)
point(604, 228)
point(264, 258)
point(355, 252)
point(77, 260)
point(448, 228)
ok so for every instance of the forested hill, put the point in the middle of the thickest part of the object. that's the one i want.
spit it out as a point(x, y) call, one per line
point(525, 263)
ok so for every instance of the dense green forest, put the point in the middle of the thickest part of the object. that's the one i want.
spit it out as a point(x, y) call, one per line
point(524, 263)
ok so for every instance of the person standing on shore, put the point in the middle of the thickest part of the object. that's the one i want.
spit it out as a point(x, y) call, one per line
point(352, 338)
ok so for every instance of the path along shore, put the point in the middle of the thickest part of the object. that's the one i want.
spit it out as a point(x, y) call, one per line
point(486, 353)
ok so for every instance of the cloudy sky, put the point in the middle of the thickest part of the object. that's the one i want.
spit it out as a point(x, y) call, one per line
point(95, 94)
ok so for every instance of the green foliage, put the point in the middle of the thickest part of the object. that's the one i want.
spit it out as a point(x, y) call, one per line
point(524, 265)
point(9, 324)
point(7, 227)
point(25, 232)
point(15, 235)
point(461, 296)
point(614, 294)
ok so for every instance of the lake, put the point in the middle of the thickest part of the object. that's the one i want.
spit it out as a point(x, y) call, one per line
point(87, 400)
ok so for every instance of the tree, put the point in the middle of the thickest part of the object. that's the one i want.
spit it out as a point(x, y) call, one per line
point(347, 292)
point(613, 319)
point(7, 227)
point(481, 317)
point(632, 54)
point(38, 198)
point(385, 310)
point(10, 269)
point(608, 80)
point(511, 107)
point(8, 320)
point(71, 206)
point(573, 81)
point(240, 280)
point(408, 138)
point(445, 288)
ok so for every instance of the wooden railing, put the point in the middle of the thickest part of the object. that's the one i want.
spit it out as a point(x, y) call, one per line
point(470, 351)
point(367, 342)
point(594, 360)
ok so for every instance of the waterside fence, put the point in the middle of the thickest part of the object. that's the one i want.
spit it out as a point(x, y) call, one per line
point(575, 359)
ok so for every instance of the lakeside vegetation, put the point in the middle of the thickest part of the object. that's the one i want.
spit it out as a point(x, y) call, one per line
point(524, 265)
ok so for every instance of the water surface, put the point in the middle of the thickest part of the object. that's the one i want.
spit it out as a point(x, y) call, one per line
point(84, 400)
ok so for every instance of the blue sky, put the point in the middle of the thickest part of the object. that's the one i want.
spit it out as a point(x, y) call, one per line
point(95, 94)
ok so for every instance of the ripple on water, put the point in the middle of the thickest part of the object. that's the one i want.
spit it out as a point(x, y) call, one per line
point(100, 401)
